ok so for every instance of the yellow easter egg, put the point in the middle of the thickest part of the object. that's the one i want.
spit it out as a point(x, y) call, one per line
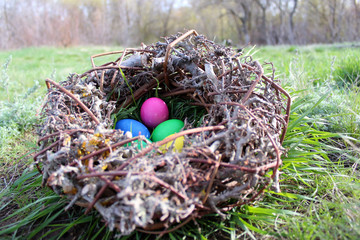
point(177, 146)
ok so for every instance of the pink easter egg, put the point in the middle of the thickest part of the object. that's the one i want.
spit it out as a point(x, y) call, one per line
point(153, 112)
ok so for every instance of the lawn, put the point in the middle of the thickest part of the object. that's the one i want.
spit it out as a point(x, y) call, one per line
point(320, 172)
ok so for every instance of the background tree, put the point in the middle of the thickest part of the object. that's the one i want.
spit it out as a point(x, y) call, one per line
point(130, 22)
point(263, 5)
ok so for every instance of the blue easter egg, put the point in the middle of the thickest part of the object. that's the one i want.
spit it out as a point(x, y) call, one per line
point(133, 126)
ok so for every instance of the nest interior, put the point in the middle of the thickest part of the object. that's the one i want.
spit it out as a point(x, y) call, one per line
point(235, 121)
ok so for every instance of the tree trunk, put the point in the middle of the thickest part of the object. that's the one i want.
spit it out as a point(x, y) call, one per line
point(246, 20)
point(241, 26)
point(7, 25)
point(357, 19)
point(167, 18)
point(291, 21)
point(263, 38)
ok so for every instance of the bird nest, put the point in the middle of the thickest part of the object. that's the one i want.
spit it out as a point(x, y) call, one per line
point(235, 121)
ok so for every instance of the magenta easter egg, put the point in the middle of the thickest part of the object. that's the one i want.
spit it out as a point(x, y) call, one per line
point(153, 112)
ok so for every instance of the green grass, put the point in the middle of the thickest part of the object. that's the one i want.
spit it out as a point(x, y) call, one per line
point(36, 64)
point(320, 178)
point(347, 74)
point(22, 90)
point(316, 69)
point(313, 61)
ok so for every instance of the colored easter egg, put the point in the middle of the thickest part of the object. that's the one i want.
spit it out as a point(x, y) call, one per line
point(167, 128)
point(153, 112)
point(177, 145)
point(133, 126)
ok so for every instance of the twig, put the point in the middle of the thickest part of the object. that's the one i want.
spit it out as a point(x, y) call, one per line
point(237, 167)
point(76, 100)
point(71, 131)
point(179, 92)
point(170, 46)
point(253, 85)
point(160, 233)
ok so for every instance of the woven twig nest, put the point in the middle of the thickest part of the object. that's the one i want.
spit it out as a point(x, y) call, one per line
point(231, 152)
